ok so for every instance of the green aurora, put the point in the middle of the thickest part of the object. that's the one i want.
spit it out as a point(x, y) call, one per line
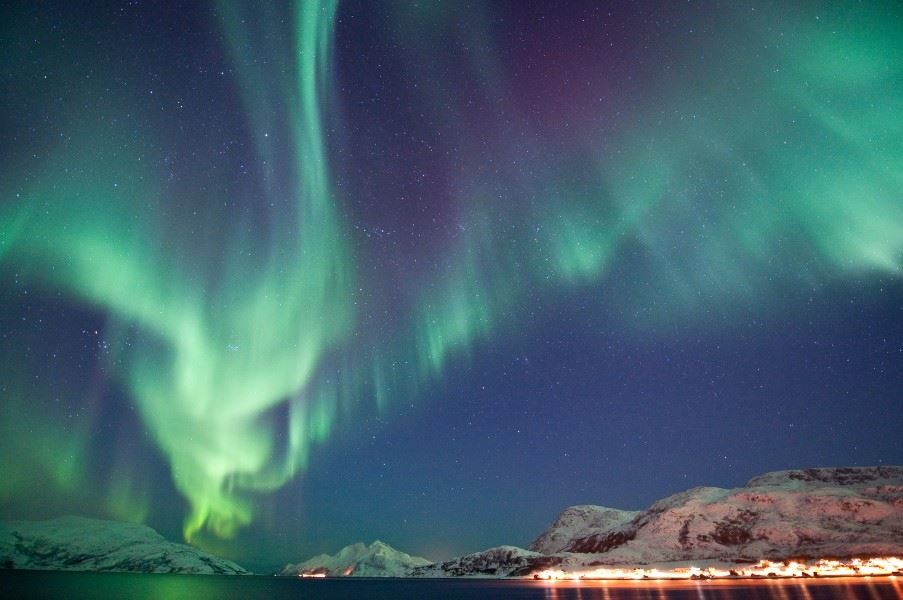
point(774, 163)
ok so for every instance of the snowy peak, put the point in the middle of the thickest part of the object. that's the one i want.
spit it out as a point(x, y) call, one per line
point(359, 560)
point(81, 544)
point(580, 522)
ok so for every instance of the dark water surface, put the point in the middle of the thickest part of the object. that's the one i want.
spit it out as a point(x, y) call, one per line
point(136, 586)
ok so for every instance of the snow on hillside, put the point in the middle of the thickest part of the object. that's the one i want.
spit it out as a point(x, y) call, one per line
point(839, 476)
point(80, 544)
point(579, 522)
point(802, 513)
point(495, 562)
point(359, 560)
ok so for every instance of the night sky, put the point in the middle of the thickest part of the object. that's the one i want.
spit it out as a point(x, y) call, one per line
point(279, 278)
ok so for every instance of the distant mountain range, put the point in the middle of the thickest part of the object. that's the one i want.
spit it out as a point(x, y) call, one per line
point(809, 513)
point(376, 560)
point(80, 544)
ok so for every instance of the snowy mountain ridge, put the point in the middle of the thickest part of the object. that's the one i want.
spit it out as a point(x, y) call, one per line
point(359, 560)
point(579, 522)
point(81, 544)
point(800, 513)
point(501, 561)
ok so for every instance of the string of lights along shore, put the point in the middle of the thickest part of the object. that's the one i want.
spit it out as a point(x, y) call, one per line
point(279, 277)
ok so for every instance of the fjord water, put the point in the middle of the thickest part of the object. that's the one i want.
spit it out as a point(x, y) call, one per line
point(138, 586)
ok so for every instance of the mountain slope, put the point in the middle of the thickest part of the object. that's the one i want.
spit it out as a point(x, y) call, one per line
point(359, 560)
point(579, 522)
point(80, 544)
point(495, 562)
point(801, 513)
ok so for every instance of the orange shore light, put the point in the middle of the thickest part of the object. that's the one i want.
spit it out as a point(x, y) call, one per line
point(765, 568)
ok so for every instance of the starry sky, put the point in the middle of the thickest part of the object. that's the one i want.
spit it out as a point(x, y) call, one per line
point(277, 278)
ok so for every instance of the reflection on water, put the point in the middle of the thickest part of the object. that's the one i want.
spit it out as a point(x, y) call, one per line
point(35, 584)
point(870, 588)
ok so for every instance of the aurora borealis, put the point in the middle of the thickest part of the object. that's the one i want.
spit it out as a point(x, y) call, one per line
point(284, 277)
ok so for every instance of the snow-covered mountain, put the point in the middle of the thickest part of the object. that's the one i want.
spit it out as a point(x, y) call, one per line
point(578, 522)
point(495, 562)
point(359, 560)
point(80, 544)
point(801, 513)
